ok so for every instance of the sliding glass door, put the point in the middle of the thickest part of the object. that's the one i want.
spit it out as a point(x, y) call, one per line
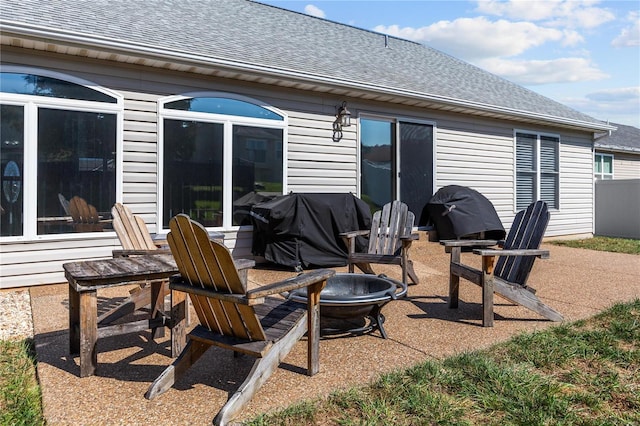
point(396, 162)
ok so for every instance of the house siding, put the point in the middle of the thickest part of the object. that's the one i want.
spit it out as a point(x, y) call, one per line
point(575, 216)
point(469, 151)
point(315, 163)
point(479, 156)
point(625, 166)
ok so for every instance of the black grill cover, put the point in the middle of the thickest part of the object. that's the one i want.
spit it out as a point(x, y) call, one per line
point(461, 212)
point(302, 230)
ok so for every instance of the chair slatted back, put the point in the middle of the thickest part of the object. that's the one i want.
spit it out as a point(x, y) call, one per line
point(387, 226)
point(526, 232)
point(131, 229)
point(81, 212)
point(65, 204)
point(208, 264)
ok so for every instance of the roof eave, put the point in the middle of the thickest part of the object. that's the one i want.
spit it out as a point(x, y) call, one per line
point(151, 52)
point(618, 148)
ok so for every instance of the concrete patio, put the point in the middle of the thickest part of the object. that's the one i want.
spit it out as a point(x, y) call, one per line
point(578, 283)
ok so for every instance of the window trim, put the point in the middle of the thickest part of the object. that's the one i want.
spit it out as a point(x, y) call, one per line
point(227, 121)
point(31, 104)
point(538, 170)
point(602, 174)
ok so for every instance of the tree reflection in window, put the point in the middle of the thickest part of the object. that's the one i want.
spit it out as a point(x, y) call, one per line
point(37, 85)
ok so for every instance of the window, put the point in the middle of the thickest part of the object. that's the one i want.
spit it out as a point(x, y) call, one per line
point(220, 155)
point(603, 166)
point(58, 139)
point(537, 169)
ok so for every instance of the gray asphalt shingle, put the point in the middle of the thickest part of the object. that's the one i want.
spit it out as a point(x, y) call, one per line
point(624, 138)
point(264, 36)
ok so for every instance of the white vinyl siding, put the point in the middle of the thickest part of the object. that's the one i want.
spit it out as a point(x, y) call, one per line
point(626, 165)
point(576, 214)
point(470, 151)
point(316, 163)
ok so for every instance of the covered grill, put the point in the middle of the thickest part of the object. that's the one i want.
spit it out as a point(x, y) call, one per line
point(460, 212)
point(302, 230)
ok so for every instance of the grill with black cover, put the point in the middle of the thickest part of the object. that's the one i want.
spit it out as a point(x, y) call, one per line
point(301, 230)
point(459, 212)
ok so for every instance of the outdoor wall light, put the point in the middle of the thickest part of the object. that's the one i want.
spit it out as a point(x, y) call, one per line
point(343, 119)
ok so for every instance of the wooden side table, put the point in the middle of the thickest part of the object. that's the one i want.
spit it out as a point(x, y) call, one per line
point(87, 277)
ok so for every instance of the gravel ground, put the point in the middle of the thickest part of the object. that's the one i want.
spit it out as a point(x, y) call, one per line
point(15, 311)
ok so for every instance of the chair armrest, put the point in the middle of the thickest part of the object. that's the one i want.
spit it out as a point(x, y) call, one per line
point(160, 240)
point(127, 253)
point(468, 243)
point(543, 254)
point(411, 237)
point(176, 283)
point(352, 234)
point(244, 263)
point(299, 281)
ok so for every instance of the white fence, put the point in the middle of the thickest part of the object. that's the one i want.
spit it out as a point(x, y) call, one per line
point(617, 208)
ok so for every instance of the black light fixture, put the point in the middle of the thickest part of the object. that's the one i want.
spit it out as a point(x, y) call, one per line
point(343, 119)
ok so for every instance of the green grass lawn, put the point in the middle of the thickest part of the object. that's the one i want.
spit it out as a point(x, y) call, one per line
point(20, 401)
point(616, 245)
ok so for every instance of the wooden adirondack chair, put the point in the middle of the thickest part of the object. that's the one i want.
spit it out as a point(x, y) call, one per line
point(85, 216)
point(390, 238)
point(135, 240)
point(133, 233)
point(246, 322)
point(515, 260)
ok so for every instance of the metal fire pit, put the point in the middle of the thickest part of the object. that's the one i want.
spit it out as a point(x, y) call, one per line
point(354, 299)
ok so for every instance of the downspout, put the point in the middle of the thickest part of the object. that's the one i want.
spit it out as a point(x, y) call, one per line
point(593, 182)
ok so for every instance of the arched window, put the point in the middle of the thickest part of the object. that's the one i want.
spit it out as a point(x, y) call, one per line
point(58, 140)
point(220, 155)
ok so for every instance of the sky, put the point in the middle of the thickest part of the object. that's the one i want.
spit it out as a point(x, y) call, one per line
point(582, 53)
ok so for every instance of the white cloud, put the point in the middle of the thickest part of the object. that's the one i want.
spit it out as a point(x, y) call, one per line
point(534, 72)
point(496, 45)
point(474, 38)
point(629, 37)
point(621, 94)
point(618, 105)
point(313, 10)
point(557, 13)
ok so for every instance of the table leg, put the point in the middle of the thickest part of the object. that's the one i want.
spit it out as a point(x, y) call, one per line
point(74, 321)
point(313, 327)
point(88, 332)
point(178, 322)
point(157, 307)
point(487, 291)
point(454, 280)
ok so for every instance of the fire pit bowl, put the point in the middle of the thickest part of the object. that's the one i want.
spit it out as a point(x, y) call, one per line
point(349, 297)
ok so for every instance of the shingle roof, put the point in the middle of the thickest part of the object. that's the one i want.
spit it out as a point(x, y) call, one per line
point(259, 36)
point(624, 138)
